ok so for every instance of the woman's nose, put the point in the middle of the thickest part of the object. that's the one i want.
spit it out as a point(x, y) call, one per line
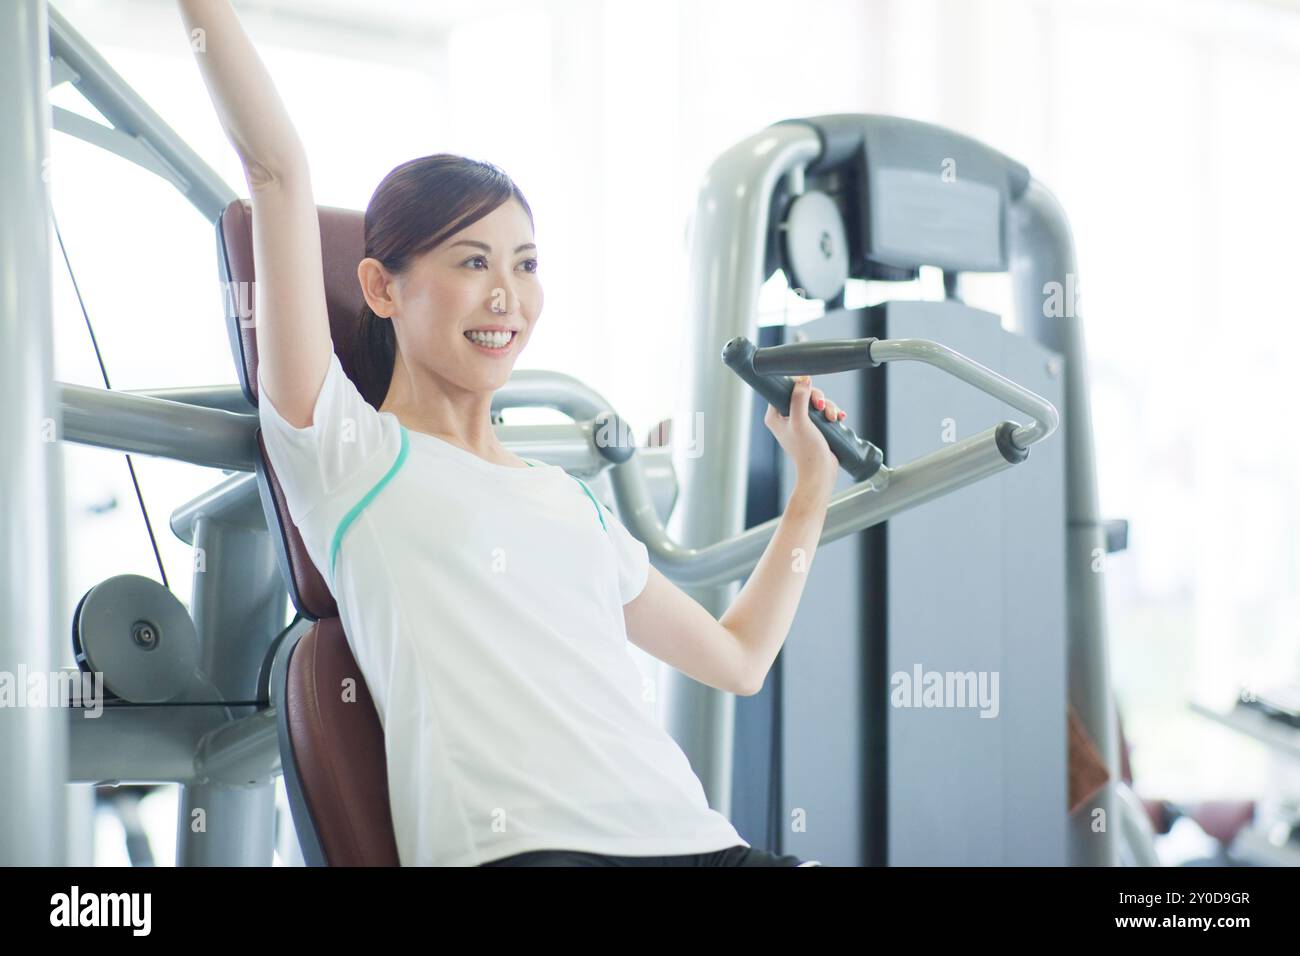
point(502, 300)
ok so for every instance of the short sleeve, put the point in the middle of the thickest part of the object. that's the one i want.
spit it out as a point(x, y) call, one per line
point(633, 559)
point(345, 449)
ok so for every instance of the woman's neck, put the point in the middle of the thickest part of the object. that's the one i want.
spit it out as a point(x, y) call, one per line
point(456, 415)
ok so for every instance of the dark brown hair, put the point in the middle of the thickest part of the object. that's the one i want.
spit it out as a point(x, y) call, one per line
point(415, 207)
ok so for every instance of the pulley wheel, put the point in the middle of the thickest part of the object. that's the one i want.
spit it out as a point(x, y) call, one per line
point(139, 636)
point(815, 246)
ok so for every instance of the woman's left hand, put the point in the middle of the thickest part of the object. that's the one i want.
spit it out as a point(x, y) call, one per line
point(814, 461)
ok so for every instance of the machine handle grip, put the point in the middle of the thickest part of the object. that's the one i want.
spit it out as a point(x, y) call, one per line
point(859, 457)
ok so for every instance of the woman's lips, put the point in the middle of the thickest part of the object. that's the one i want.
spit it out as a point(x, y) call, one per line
point(496, 352)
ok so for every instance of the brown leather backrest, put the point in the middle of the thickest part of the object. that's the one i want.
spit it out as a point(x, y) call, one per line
point(342, 233)
point(338, 771)
point(332, 742)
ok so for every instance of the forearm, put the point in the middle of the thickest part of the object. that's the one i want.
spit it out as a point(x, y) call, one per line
point(761, 616)
point(247, 103)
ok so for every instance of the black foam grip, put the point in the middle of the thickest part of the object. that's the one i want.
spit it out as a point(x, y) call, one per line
point(859, 457)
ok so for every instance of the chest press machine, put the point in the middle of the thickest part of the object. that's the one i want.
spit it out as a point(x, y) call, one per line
point(222, 697)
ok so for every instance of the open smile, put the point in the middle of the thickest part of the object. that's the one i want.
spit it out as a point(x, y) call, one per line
point(493, 343)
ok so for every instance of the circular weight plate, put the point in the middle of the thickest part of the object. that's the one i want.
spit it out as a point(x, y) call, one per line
point(815, 245)
point(140, 636)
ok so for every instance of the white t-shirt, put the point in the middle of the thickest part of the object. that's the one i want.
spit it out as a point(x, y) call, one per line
point(484, 606)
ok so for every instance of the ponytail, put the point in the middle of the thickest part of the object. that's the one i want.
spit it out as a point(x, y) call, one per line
point(375, 356)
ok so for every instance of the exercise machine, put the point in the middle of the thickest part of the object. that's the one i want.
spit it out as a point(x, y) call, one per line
point(972, 588)
point(204, 696)
point(1004, 578)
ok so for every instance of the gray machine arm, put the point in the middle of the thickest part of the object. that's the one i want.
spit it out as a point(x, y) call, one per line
point(881, 491)
point(767, 370)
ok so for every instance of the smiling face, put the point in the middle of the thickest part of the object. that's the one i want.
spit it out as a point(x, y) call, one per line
point(483, 277)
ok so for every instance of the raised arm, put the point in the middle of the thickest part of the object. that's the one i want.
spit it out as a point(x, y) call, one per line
point(293, 337)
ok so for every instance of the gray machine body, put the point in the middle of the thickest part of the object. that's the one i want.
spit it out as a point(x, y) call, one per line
point(973, 583)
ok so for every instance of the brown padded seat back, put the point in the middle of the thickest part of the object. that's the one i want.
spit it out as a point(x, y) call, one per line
point(342, 247)
point(331, 741)
point(338, 753)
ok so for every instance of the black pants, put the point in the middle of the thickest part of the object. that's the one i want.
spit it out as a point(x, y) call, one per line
point(732, 856)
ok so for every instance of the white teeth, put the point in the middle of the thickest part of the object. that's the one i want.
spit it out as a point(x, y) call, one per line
point(495, 340)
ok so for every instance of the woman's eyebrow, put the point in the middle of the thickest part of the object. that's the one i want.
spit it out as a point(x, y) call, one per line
point(486, 248)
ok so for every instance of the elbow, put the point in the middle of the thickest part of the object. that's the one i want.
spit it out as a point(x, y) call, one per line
point(750, 685)
point(747, 673)
point(265, 173)
point(258, 176)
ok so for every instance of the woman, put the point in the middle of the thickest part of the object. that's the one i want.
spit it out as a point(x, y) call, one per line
point(488, 599)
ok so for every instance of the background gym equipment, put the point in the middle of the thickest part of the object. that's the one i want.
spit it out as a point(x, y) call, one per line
point(882, 174)
point(999, 578)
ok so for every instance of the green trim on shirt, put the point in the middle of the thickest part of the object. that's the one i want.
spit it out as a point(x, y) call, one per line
point(357, 508)
point(589, 495)
point(594, 502)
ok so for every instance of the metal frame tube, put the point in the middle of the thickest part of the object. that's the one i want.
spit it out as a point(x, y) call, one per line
point(862, 506)
point(227, 398)
point(129, 743)
point(33, 739)
point(153, 144)
point(985, 379)
point(155, 426)
point(728, 245)
point(150, 424)
point(1042, 259)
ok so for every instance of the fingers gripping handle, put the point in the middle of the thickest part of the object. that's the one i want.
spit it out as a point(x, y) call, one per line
point(859, 457)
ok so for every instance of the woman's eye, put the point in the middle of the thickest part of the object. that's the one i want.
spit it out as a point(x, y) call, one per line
point(526, 262)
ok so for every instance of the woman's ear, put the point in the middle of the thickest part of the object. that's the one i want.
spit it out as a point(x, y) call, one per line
point(376, 287)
